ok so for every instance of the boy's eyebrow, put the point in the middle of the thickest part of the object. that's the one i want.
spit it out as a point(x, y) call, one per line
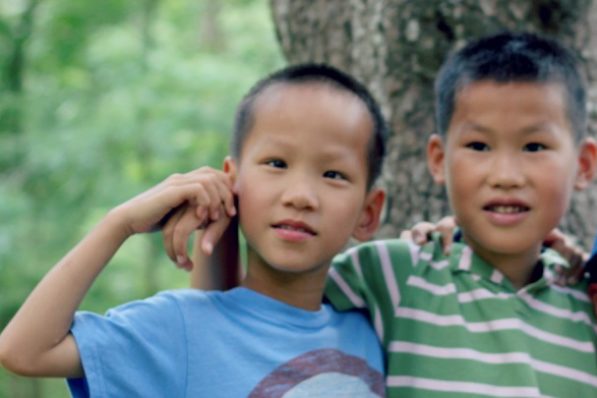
point(466, 126)
point(283, 142)
point(331, 154)
point(539, 127)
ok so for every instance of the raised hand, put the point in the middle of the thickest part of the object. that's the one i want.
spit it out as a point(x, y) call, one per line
point(207, 191)
point(421, 232)
point(183, 222)
point(574, 254)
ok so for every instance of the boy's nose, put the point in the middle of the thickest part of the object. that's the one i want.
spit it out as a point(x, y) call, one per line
point(301, 195)
point(506, 172)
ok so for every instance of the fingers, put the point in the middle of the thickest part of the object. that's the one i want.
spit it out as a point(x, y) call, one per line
point(167, 230)
point(407, 234)
point(206, 189)
point(571, 252)
point(211, 184)
point(446, 228)
point(209, 196)
point(176, 234)
point(212, 234)
point(553, 237)
point(185, 226)
point(421, 232)
point(214, 189)
point(185, 202)
point(227, 197)
point(181, 226)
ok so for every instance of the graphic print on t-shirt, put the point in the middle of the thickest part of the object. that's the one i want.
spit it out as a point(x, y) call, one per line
point(325, 372)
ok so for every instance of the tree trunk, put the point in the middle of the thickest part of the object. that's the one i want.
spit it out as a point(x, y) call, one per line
point(396, 47)
point(210, 31)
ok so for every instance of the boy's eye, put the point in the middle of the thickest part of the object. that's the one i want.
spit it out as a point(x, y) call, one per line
point(276, 163)
point(334, 175)
point(478, 146)
point(534, 147)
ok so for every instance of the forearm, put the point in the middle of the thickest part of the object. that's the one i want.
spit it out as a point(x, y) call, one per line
point(36, 342)
point(43, 321)
point(220, 270)
point(204, 274)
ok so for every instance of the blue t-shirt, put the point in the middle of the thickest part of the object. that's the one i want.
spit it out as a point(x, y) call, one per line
point(189, 343)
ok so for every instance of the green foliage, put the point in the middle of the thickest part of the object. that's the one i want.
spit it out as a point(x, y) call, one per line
point(116, 96)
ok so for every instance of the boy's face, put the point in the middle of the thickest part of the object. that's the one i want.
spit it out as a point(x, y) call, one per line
point(510, 164)
point(302, 175)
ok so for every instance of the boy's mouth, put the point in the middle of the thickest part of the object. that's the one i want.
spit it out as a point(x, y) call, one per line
point(506, 209)
point(294, 226)
point(506, 212)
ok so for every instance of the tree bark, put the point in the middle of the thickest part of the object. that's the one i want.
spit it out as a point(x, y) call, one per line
point(396, 47)
point(210, 31)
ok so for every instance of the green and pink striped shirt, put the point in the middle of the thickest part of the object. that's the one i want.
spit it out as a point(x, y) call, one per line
point(455, 327)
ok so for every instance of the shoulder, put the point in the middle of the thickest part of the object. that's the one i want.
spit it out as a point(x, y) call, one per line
point(346, 319)
point(396, 254)
point(573, 295)
point(387, 251)
point(577, 292)
point(167, 299)
point(182, 297)
point(353, 323)
point(168, 308)
point(116, 349)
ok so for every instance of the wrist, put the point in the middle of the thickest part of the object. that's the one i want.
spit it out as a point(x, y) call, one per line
point(116, 221)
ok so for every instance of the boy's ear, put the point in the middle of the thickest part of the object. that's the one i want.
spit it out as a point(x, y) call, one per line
point(370, 216)
point(587, 162)
point(230, 169)
point(435, 158)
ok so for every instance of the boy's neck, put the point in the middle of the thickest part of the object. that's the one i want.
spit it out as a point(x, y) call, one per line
point(288, 289)
point(517, 268)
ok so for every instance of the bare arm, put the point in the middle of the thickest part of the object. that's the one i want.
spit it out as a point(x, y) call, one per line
point(37, 341)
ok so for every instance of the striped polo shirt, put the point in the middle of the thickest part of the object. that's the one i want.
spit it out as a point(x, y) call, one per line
point(454, 326)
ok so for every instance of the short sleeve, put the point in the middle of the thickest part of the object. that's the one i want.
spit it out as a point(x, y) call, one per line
point(135, 350)
point(369, 276)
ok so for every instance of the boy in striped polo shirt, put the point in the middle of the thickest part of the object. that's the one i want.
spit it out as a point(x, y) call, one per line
point(486, 319)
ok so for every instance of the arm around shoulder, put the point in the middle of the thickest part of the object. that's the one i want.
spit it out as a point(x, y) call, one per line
point(368, 274)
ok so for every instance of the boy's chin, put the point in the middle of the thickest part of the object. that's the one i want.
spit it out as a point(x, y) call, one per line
point(518, 250)
point(506, 245)
point(298, 268)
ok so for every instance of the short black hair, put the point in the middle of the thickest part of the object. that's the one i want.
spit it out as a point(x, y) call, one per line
point(512, 57)
point(315, 73)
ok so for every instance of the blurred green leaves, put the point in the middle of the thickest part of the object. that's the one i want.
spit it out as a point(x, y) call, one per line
point(116, 95)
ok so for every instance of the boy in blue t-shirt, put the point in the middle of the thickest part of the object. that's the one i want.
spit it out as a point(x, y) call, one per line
point(308, 144)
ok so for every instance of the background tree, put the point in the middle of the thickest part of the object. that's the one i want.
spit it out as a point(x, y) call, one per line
point(396, 48)
point(101, 99)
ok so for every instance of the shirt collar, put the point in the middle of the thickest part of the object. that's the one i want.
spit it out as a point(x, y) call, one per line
point(462, 259)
